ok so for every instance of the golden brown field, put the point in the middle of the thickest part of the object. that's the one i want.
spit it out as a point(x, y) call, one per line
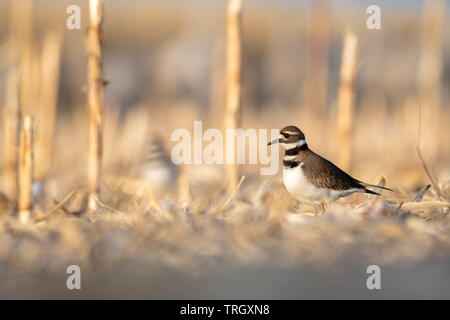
point(223, 231)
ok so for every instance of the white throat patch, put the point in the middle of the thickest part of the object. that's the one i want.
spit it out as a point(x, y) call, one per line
point(289, 146)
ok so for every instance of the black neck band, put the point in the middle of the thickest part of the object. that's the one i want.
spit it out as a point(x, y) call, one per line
point(290, 163)
point(294, 151)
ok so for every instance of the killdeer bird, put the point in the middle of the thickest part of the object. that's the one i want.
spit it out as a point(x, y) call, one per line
point(311, 179)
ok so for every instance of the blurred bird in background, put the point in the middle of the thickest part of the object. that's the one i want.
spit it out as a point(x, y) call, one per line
point(155, 166)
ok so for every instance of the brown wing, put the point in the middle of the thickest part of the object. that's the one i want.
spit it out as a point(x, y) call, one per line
point(325, 174)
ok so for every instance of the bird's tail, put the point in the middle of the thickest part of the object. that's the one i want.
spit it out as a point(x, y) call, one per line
point(374, 186)
point(371, 192)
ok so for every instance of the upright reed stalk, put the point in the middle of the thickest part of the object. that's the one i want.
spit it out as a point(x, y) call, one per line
point(25, 170)
point(20, 25)
point(183, 190)
point(345, 100)
point(23, 51)
point(95, 98)
point(233, 78)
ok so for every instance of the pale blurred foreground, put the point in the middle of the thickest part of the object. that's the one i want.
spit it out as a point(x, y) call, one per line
point(254, 244)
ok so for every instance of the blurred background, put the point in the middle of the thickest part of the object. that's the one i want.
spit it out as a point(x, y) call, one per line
point(164, 56)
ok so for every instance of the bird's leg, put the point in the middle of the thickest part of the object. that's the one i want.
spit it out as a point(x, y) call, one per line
point(316, 210)
point(322, 206)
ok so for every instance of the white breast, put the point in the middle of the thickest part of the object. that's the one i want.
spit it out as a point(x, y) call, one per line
point(301, 189)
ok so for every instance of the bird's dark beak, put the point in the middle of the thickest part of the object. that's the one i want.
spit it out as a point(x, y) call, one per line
point(273, 142)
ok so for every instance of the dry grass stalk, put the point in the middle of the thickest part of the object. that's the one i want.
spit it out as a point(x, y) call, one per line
point(430, 71)
point(30, 82)
point(233, 78)
point(23, 53)
point(21, 23)
point(345, 100)
point(49, 79)
point(222, 207)
point(183, 191)
point(103, 205)
point(421, 193)
point(95, 98)
point(233, 194)
point(25, 172)
point(58, 205)
point(10, 119)
point(217, 87)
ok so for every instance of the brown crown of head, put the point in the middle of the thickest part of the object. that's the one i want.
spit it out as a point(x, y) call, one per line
point(291, 134)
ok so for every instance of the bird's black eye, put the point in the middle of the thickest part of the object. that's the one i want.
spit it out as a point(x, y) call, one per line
point(286, 135)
